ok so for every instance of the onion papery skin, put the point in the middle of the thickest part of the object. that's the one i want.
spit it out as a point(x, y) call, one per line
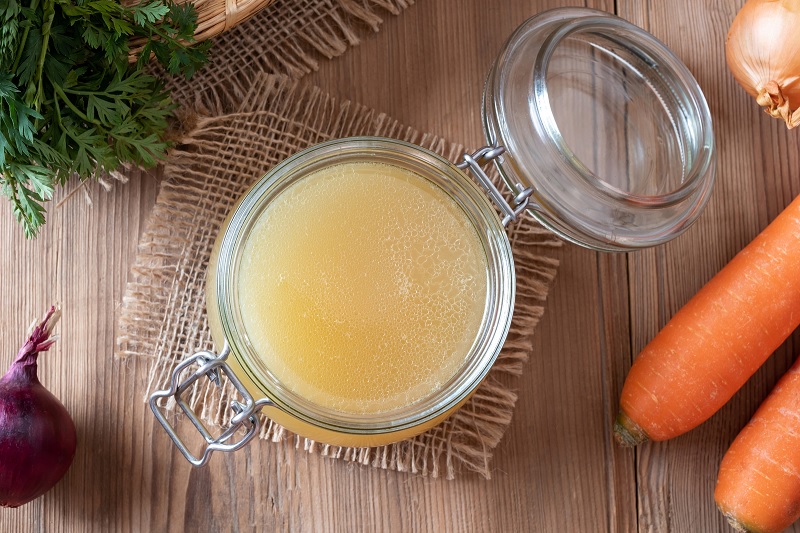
point(763, 54)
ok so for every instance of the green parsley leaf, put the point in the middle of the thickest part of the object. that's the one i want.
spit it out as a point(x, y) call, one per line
point(149, 13)
point(72, 103)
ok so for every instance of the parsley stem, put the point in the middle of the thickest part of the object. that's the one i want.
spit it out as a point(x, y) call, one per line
point(64, 98)
point(34, 5)
point(58, 113)
point(49, 8)
point(84, 93)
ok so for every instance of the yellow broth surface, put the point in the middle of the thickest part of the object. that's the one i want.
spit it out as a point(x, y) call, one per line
point(362, 287)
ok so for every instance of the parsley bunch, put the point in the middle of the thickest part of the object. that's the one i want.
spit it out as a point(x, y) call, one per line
point(72, 102)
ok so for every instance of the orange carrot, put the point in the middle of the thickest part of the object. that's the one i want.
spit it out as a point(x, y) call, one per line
point(758, 488)
point(718, 339)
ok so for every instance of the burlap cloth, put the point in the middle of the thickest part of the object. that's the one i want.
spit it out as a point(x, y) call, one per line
point(234, 131)
point(288, 37)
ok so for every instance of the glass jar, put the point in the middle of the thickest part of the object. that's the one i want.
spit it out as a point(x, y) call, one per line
point(600, 133)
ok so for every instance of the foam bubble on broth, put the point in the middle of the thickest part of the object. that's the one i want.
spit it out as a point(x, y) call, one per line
point(362, 287)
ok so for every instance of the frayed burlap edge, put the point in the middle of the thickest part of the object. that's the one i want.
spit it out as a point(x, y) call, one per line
point(287, 37)
point(231, 145)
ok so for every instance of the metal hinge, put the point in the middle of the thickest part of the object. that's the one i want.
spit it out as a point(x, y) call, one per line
point(473, 162)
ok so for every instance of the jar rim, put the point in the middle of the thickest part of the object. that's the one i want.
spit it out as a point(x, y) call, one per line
point(602, 24)
point(499, 302)
point(526, 56)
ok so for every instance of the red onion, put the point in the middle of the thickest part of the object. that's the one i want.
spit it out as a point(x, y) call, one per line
point(37, 435)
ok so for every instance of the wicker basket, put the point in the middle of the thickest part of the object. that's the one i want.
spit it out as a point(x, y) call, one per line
point(213, 17)
point(217, 16)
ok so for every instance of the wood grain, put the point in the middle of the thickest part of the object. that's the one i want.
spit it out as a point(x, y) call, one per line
point(557, 469)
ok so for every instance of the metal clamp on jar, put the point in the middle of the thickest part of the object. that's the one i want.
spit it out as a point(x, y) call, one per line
point(601, 134)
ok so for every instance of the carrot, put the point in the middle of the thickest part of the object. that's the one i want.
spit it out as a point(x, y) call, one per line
point(718, 339)
point(758, 488)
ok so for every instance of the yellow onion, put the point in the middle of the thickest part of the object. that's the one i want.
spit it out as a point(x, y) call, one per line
point(763, 53)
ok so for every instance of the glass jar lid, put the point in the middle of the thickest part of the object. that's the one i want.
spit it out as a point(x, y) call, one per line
point(607, 127)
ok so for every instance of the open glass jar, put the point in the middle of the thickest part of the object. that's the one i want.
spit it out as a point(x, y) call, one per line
point(600, 133)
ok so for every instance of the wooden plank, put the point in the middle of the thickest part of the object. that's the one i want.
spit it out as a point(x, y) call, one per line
point(81, 260)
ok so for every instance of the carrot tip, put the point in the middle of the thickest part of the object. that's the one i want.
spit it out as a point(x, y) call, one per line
point(627, 432)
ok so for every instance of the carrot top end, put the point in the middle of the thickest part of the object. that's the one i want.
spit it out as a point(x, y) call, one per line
point(627, 432)
point(738, 525)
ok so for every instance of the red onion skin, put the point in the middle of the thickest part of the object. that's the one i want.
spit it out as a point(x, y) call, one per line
point(37, 434)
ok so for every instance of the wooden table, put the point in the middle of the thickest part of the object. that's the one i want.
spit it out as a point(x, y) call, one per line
point(557, 469)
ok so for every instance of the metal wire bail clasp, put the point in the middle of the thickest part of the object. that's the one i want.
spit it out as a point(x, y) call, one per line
point(473, 162)
point(210, 365)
